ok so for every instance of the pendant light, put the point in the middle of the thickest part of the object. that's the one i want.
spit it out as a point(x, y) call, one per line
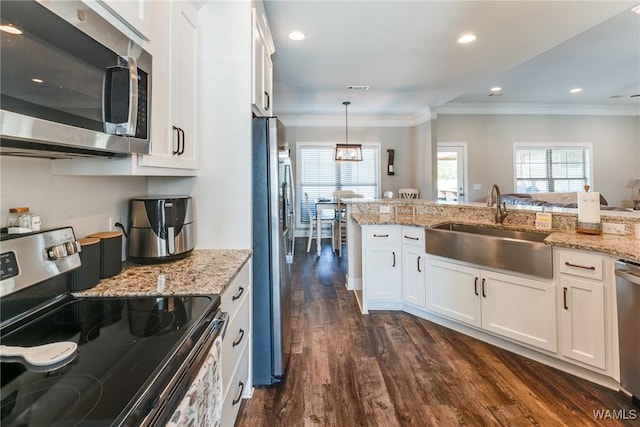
point(347, 152)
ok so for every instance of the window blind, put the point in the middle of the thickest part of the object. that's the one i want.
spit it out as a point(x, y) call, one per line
point(558, 168)
point(319, 175)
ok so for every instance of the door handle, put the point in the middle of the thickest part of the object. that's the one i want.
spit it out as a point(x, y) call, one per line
point(484, 295)
point(177, 144)
point(394, 259)
point(419, 271)
point(564, 297)
point(268, 105)
point(181, 145)
point(475, 286)
point(239, 340)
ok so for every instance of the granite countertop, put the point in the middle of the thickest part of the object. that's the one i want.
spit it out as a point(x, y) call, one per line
point(626, 246)
point(203, 272)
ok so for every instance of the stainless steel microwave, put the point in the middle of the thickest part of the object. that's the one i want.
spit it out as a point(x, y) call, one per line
point(71, 83)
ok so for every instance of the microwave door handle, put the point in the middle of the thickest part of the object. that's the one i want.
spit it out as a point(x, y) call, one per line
point(133, 96)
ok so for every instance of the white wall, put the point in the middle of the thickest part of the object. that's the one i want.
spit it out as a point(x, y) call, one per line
point(490, 138)
point(85, 203)
point(222, 193)
point(399, 139)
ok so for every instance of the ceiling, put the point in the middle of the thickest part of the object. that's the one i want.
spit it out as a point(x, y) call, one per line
point(407, 52)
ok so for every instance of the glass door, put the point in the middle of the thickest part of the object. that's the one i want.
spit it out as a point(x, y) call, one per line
point(451, 167)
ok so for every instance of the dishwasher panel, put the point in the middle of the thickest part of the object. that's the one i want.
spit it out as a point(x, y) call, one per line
point(628, 298)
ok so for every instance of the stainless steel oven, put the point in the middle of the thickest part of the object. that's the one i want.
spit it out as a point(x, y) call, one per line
point(71, 83)
point(135, 357)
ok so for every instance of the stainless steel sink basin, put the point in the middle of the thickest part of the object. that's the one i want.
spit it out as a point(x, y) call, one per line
point(512, 250)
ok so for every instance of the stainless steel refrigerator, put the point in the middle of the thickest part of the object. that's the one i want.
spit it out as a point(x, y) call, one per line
point(273, 225)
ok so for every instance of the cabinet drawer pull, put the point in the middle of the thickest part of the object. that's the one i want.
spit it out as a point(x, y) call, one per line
point(484, 295)
point(238, 294)
point(239, 398)
point(475, 286)
point(564, 297)
point(419, 271)
point(240, 337)
point(380, 235)
point(568, 264)
point(394, 259)
point(411, 238)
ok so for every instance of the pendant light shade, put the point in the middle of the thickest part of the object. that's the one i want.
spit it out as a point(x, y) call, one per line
point(347, 152)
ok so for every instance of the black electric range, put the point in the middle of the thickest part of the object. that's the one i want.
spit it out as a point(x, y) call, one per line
point(135, 357)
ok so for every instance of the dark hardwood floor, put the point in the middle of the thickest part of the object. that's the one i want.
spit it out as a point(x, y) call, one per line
point(394, 369)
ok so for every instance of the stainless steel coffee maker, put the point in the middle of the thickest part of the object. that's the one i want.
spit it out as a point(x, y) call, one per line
point(160, 228)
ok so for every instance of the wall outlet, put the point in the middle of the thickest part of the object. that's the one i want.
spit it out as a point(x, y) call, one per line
point(385, 209)
point(611, 228)
point(111, 225)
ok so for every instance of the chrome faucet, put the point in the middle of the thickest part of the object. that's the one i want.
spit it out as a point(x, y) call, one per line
point(501, 208)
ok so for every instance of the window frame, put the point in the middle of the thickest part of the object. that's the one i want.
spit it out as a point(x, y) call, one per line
point(301, 145)
point(588, 146)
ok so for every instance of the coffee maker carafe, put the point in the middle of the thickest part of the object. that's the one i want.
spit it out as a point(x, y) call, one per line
point(160, 228)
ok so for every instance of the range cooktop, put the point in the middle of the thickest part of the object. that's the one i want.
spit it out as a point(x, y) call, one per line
point(126, 348)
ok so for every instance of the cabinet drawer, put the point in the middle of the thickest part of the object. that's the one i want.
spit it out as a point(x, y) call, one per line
point(581, 264)
point(235, 294)
point(237, 388)
point(381, 234)
point(413, 236)
point(235, 341)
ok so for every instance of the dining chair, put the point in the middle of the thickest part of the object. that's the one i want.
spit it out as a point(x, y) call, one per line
point(312, 223)
point(341, 218)
point(408, 193)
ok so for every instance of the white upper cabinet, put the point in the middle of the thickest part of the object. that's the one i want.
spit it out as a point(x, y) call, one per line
point(262, 66)
point(135, 14)
point(175, 140)
point(176, 73)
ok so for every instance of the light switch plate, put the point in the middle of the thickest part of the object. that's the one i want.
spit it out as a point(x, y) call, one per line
point(477, 186)
point(611, 228)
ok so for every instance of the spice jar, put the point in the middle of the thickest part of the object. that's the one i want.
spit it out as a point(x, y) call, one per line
point(19, 220)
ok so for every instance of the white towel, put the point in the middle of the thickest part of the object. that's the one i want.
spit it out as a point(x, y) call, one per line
point(202, 405)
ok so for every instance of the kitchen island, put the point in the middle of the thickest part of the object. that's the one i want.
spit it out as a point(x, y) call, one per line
point(564, 317)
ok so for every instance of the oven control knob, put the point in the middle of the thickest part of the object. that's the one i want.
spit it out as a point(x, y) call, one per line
point(56, 252)
point(62, 250)
point(73, 247)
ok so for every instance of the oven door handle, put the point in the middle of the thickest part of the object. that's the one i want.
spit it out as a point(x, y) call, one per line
point(222, 322)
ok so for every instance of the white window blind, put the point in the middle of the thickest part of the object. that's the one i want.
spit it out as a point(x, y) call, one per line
point(552, 168)
point(319, 175)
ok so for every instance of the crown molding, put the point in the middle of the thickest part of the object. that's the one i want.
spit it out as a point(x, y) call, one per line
point(354, 120)
point(540, 109)
point(429, 114)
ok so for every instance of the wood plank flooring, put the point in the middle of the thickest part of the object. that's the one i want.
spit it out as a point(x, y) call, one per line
point(394, 369)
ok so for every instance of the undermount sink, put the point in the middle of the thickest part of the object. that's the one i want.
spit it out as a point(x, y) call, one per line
point(512, 250)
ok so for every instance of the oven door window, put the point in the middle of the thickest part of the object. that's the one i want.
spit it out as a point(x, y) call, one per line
point(52, 70)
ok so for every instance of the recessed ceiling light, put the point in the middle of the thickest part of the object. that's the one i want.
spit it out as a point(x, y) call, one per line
point(10, 29)
point(296, 35)
point(37, 80)
point(495, 89)
point(576, 90)
point(467, 38)
point(636, 9)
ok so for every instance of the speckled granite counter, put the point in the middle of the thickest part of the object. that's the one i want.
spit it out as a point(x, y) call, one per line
point(204, 272)
point(626, 246)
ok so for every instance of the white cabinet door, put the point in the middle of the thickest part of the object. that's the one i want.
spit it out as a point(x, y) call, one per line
point(262, 65)
point(453, 290)
point(175, 138)
point(413, 266)
point(519, 308)
point(381, 267)
point(382, 273)
point(582, 318)
point(413, 276)
point(134, 14)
